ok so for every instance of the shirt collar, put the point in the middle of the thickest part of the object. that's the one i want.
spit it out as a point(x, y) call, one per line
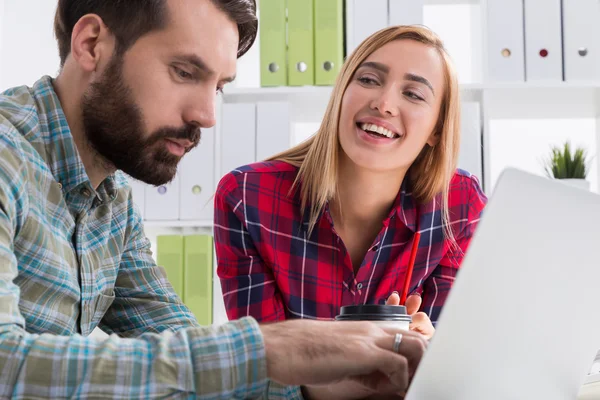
point(62, 155)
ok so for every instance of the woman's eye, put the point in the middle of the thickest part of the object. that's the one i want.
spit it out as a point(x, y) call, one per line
point(413, 95)
point(367, 81)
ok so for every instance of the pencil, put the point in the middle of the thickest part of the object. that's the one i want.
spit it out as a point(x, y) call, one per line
point(411, 265)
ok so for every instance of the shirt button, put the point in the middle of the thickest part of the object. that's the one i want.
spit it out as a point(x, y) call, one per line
point(86, 193)
point(359, 286)
point(60, 186)
point(375, 248)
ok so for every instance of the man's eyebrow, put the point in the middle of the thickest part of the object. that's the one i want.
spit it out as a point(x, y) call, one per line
point(198, 63)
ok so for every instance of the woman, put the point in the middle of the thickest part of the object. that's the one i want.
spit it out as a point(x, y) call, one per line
point(332, 221)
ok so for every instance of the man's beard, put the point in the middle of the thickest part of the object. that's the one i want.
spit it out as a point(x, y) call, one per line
point(114, 128)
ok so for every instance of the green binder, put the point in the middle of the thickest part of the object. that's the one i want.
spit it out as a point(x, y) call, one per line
point(198, 277)
point(169, 255)
point(301, 49)
point(329, 40)
point(272, 26)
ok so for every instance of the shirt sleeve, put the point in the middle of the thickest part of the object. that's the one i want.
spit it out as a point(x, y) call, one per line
point(438, 285)
point(144, 300)
point(249, 287)
point(205, 363)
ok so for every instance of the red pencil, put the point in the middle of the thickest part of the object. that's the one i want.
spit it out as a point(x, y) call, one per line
point(411, 265)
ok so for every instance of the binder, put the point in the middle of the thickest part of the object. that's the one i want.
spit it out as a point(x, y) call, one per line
point(581, 35)
point(162, 202)
point(138, 193)
point(273, 44)
point(238, 136)
point(169, 255)
point(470, 156)
point(505, 55)
point(198, 277)
point(272, 128)
point(543, 40)
point(405, 12)
point(329, 40)
point(364, 17)
point(301, 51)
point(197, 180)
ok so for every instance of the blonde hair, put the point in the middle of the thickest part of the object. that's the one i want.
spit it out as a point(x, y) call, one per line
point(432, 170)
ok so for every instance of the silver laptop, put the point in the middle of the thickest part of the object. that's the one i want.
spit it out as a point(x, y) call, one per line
point(523, 318)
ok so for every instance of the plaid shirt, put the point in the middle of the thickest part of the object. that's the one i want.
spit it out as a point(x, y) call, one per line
point(272, 270)
point(73, 257)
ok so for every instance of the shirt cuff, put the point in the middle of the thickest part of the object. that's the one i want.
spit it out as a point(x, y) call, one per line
point(277, 391)
point(230, 360)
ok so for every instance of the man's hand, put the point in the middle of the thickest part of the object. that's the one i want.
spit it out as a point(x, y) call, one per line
point(341, 359)
point(420, 321)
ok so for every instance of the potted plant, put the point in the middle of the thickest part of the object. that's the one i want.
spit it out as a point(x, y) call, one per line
point(569, 166)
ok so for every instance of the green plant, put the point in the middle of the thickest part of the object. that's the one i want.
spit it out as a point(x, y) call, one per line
point(564, 163)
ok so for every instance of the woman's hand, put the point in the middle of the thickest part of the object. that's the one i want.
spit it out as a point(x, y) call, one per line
point(420, 321)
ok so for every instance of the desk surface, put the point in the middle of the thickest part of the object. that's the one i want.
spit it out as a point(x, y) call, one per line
point(591, 389)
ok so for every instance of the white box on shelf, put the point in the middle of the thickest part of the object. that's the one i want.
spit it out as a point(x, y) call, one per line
point(272, 128)
point(470, 157)
point(581, 33)
point(405, 12)
point(238, 136)
point(162, 202)
point(197, 180)
point(138, 192)
point(505, 50)
point(543, 41)
point(363, 18)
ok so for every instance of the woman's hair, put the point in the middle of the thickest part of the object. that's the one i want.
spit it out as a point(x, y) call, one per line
point(429, 175)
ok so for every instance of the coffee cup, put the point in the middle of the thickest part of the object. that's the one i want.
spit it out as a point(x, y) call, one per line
point(381, 314)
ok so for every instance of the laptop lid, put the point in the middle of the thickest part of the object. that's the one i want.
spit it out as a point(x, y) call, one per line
point(523, 318)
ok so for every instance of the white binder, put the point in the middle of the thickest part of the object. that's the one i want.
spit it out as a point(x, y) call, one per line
point(505, 51)
point(138, 192)
point(470, 156)
point(238, 136)
point(363, 18)
point(272, 128)
point(581, 32)
point(405, 12)
point(162, 202)
point(543, 41)
point(197, 180)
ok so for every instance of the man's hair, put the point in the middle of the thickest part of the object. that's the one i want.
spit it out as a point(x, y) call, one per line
point(128, 20)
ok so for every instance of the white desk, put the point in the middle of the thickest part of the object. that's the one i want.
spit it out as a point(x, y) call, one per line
point(591, 388)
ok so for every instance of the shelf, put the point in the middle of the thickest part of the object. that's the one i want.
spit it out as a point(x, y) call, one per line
point(178, 224)
point(283, 91)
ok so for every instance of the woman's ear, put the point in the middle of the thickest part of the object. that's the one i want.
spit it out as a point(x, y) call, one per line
point(433, 139)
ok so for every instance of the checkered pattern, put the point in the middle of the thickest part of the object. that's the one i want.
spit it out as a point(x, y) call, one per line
point(73, 257)
point(272, 270)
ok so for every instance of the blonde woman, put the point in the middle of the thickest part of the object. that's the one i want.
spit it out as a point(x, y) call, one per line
point(332, 221)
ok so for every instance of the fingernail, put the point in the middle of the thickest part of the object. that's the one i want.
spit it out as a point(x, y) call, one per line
point(395, 292)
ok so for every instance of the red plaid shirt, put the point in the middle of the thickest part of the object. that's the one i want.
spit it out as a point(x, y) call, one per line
point(271, 270)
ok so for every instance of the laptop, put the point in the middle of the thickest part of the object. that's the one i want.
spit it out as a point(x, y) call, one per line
point(522, 320)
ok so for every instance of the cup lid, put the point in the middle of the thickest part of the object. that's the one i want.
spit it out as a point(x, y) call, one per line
point(374, 312)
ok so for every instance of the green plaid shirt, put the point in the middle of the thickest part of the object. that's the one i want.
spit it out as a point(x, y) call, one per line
point(73, 257)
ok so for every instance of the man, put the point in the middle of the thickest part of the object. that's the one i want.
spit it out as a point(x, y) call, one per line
point(138, 82)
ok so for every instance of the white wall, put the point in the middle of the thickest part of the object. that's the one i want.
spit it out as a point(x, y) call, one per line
point(28, 47)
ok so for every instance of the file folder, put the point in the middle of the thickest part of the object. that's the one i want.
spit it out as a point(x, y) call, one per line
point(405, 12)
point(273, 43)
point(581, 40)
point(162, 202)
point(505, 60)
point(238, 136)
point(543, 41)
point(272, 128)
point(198, 277)
point(364, 17)
point(329, 40)
point(470, 156)
point(197, 180)
point(301, 52)
point(169, 255)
